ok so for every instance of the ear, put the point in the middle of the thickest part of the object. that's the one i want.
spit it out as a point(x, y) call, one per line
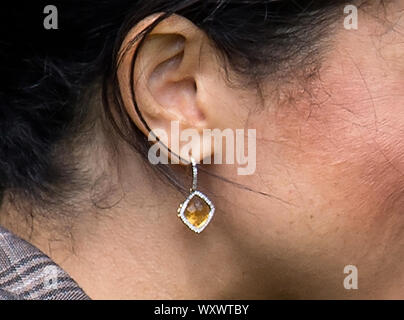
point(173, 75)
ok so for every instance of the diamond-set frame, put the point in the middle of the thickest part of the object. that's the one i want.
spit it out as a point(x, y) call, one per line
point(183, 206)
point(193, 193)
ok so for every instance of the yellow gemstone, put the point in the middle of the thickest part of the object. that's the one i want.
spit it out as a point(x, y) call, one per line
point(197, 211)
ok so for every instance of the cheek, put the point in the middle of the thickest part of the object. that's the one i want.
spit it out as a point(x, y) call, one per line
point(330, 158)
point(338, 153)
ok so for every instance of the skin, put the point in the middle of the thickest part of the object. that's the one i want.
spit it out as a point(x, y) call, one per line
point(330, 166)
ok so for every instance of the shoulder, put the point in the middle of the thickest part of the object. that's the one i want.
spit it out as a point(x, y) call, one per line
point(27, 273)
point(10, 248)
point(6, 295)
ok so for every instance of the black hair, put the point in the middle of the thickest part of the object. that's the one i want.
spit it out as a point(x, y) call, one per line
point(47, 74)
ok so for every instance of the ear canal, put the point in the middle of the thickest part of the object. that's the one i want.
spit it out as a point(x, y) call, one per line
point(165, 67)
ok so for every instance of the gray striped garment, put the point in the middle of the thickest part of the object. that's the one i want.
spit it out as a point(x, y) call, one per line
point(28, 274)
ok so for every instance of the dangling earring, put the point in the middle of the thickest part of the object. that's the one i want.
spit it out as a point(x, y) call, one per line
point(197, 210)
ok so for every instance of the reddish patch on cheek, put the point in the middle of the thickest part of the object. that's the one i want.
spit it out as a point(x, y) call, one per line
point(344, 137)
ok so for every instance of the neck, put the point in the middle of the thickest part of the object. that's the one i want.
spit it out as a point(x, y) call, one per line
point(135, 247)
